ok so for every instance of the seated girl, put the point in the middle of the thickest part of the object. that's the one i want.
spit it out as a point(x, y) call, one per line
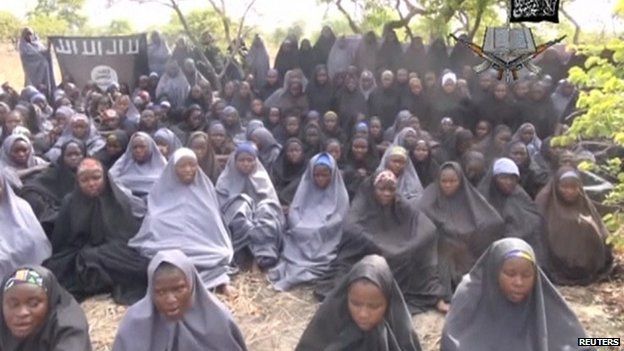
point(140, 166)
point(116, 144)
point(366, 311)
point(315, 221)
point(268, 148)
point(199, 142)
point(427, 168)
point(397, 160)
point(501, 188)
point(45, 191)
point(18, 160)
point(250, 208)
point(466, 223)
point(575, 234)
point(183, 213)
point(506, 302)
point(167, 142)
point(82, 128)
point(39, 315)
point(382, 222)
point(89, 242)
point(288, 170)
point(23, 241)
point(360, 163)
point(177, 313)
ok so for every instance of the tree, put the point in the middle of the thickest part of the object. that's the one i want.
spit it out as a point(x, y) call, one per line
point(9, 27)
point(199, 21)
point(601, 121)
point(56, 11)
point(119, 27)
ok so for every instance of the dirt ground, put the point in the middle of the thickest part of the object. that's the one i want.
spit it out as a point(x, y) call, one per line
point(272, 321)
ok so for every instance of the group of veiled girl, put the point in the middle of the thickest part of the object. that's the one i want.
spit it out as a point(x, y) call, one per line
point(389, 200)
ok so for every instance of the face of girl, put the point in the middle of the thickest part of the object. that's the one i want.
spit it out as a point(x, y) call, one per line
point(335, 150)
point(527, 134)
point(410, 140)
point(256, 106)
point(312, 136)
point(449, 86)
point(20, 152)
point(396, 164)
point(367, 82)
point(294, 153)
point(292, 126)
point(502, 139)
point(359, 148)
point(482, 129)
point(569, 190)
point(274, 115)
point(500, 91)
point(25, 308)
point(13, 119)
point(506, 183)
point(430, 79)
point(113, 147)
point(163, 147)
point(330, 122)
point(148, 119)
point(449, 182)
point(387, 80)
point(195, 119)
point(322, 176)
point(217, 138)
point(321, 77)
point(245, 163)
point(385, 193)
point(367, 304)
point(421, 151)
point(80, 128)
point(186, 169)
point(72, 157)
point(516, 279)
point(140, 150)
point(91, 182)
point(200, 147)
point(172, 293)
point(519, 154)
point(375, 128)
point(230, 118)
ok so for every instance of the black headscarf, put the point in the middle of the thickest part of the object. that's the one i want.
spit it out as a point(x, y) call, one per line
point(64, 328)
point(366, 54)
point(353, 178)
point(323, 45)
point(284, 173)
point(109, 160)
point(320, 97)
point(466, 224)
point(437, 56)
point(481, 317)
point(390, 52)
point(332, 328)
point(415, 56)
point(287, 57)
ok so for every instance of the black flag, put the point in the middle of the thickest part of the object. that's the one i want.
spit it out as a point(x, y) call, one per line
point(534, 11)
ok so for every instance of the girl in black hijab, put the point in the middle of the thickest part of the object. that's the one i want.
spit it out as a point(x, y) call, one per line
point(366, 311)
point(532, 178)
point(426, 166)
point(360, 163)
point(116, 144)
point(288, 169)
point(323, 45)
point(55, 321)
point(89, 243)
point(320, 91)
point(45, 192)
point(287, 57)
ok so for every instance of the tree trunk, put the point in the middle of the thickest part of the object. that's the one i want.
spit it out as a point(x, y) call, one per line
point(577, 27)
point(354, 27)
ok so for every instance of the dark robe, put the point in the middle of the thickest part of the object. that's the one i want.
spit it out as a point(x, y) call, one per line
point(89, 246)
point(323, 45)
point(542, 115)
point(350, 104)
point(575, 235)
point(64, 327)
point(332, 327)
point(419, 106)
point(366, 54)
point(320, 97)
point(437, 56)
point(385, 104)
point(353, 178)
point(466, 225)
point(415, 56)
point(390, 54)
point(404, 236)
point(287, 58)
point(286, 175)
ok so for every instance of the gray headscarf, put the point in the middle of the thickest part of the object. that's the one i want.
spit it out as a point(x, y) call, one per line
point(93, 141)
point(183, 222)
point(175, 86)
point(268, 148)
point(138, 178)
point(408, 183)
point(315, 220)
point(23, 240)
point(258, 61)
point(34, 61)
point(206, 325)
point(166, 135)
point(157, 55)
point(481, 317)
point(9, 167)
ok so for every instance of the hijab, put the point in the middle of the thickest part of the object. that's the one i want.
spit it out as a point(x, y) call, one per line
point(169, 138)
point(9, 166)
point(409, 185)
point(209, 163)
point(65, 325)
point(136, 177)
point(315, 219)
point(268, 148)
point(258, 61)
point(189, 221)
point(332, 327)
point(206, 325)
point(575, 235)
point(323, 45)
point(481, 317)
point(535, 145)
point(23, 240)
point(92, 140)
point(174, 85)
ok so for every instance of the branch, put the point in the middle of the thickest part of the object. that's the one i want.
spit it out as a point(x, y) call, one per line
point(354, 27)
point(478, 18)
point(224, 20)
point(238, 41)
point(404, 21)
point(577, 27)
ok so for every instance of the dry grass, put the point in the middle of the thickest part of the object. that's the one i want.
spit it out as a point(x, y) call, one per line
point(273, 321)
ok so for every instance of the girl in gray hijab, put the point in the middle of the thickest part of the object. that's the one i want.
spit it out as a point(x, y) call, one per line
point(315, 219)
point(167, 142)
point(250, 207)
point(507, 302)
point(397, 160)
point(158, 54)
point(190, 220)
point(177, 313)
point(35, 60)
point(18, 160)
point(23, 240)
point(366, 312)
point(82, 128)
point(268, 148)
point(174, 85)
point(140, 166)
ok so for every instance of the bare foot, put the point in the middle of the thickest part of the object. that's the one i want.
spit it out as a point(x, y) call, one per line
point(227, 290)
point(443, 306)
